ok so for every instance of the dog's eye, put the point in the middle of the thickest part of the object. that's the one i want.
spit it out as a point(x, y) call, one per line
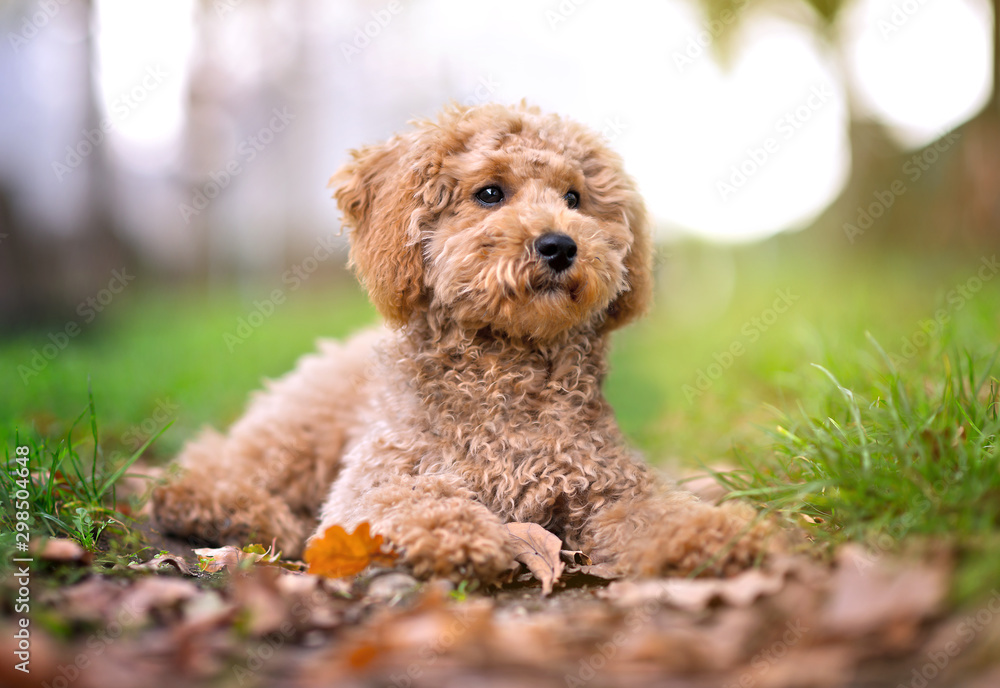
point(572, 199)
point(491, 195)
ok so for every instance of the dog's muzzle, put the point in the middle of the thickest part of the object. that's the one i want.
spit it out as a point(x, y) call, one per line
point(557, 250)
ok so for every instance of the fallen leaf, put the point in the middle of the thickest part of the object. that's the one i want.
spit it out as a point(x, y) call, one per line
point(539, 550)
point(872, 590)
point(575, 557)
point(153, 592)
point(337, 554)
point(61, 549)
point(155, 563)
point(826, 667)
point(257, 595)
point(696, 594)
point(90, 601)
point(212, 560)
point(391, 586)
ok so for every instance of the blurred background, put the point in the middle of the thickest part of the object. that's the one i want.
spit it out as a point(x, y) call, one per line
point(816, 169)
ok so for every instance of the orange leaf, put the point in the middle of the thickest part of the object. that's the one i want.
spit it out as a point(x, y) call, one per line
point(337, 553)
point(362, 656)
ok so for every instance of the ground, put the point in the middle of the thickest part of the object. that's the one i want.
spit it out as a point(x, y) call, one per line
point(851, 396)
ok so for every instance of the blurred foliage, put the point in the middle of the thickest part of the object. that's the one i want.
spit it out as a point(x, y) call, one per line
point(174, 355)
point(726, 16)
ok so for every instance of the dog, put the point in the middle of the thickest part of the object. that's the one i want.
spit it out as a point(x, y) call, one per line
point(502, 246)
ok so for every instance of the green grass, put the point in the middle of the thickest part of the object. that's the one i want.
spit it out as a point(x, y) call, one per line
point(52, 488)
point(161, 356)
point(902, 455)
point(715, 374)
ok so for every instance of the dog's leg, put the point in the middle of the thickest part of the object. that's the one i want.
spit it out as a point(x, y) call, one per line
point(672, 532)
point(217, 500)
point(267, 478)
point(432, 519)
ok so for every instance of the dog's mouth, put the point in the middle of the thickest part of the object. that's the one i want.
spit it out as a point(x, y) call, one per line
point(556, 286)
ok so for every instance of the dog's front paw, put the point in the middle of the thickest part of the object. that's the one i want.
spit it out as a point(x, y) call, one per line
point(704, 539)
point(194, 508)
point(451, 538)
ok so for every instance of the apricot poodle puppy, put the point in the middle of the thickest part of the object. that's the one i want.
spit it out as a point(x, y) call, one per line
point(502, 246)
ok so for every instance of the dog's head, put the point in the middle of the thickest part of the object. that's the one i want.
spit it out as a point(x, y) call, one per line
point(498, 217)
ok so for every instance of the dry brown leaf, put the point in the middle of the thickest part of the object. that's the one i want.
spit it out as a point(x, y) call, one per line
point(212, 560)
point(538, 549)
point(215, 559)
point(575, 557)
point(155, 563)
point(821, 667)
point(696, 594)
point(257, 595)
point(872, 590)
point(337, 554)
point(90, 600)
point(153, 592)
point(63, 550)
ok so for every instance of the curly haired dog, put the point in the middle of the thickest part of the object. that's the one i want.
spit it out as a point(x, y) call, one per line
point(503, 246)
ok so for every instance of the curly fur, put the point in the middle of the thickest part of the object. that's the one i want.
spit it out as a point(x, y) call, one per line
point(483, 404)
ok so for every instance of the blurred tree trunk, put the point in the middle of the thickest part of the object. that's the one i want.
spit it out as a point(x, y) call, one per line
point(101, 236)
point(979, 185)
point(45, 276)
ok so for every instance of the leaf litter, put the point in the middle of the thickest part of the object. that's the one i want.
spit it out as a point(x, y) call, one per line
point(245, 617)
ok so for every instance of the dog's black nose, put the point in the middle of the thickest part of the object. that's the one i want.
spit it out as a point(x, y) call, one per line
point(557, 249)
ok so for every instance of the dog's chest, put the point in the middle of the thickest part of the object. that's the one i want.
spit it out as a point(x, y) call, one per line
point(517, 401)
point(529, 432)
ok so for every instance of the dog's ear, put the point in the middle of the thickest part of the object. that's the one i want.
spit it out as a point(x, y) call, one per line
point(383, 195)
point(634, 301)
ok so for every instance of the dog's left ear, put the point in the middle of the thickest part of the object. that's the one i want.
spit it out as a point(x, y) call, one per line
point(634, 301)
point(387, 196)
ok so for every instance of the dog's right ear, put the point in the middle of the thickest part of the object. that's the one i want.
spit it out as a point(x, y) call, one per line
point(381, 194)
